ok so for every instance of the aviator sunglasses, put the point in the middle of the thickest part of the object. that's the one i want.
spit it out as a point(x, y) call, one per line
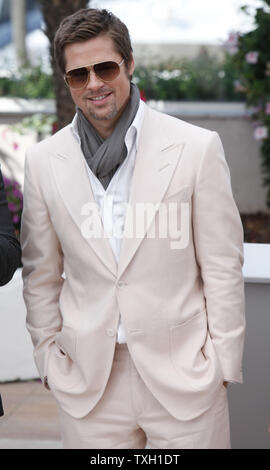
point(106, 71)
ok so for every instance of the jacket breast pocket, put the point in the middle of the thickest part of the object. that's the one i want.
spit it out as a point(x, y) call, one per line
point(174, 218)
point(183, 193)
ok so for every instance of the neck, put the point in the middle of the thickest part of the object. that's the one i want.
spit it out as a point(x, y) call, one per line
point(103, 129)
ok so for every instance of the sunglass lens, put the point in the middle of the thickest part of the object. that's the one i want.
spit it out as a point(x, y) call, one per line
point(107, 71)
point(77, 78)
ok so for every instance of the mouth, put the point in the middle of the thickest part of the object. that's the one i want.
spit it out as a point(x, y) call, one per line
point(99, 100)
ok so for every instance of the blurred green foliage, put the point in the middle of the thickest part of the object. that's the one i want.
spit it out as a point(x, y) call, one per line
point(251, 60)
point(30, 82)
point(42, 124)
point(201, 78)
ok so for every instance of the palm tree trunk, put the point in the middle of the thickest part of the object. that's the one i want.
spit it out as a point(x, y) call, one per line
point(54, 11)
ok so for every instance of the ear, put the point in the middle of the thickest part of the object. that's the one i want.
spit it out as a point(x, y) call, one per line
point(131, 65)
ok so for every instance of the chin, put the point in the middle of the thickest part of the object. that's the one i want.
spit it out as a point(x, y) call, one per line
point(106, 116)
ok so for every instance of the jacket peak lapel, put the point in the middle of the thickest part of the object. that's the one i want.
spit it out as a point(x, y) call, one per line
point(72, 181)
point(153, 171)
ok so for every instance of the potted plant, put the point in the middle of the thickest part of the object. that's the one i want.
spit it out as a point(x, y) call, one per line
point(249, 54)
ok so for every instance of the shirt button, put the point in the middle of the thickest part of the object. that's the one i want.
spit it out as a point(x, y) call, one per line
point(122, 284)
point(110, 332)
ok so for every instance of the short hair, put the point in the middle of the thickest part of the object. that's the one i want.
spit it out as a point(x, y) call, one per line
point(89, 23)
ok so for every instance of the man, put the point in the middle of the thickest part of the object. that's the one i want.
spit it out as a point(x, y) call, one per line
point(10, 250)
point(135, 333)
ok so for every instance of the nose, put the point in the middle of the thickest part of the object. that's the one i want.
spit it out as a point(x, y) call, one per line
point(94, 82)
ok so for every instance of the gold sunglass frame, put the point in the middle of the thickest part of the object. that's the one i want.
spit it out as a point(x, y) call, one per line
point(90, 68)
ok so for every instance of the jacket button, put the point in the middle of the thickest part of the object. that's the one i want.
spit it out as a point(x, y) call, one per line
point(110, 332)
point(122, 284)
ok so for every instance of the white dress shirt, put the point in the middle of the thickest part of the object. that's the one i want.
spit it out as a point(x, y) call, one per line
point(111, 202)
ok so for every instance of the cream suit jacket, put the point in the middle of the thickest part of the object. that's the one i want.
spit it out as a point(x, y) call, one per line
point(182, 309)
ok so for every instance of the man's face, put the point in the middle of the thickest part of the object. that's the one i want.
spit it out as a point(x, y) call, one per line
point(104, 113)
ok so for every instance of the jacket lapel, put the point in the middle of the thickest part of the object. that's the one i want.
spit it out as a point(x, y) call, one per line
point(72, 181)
point(156, 160)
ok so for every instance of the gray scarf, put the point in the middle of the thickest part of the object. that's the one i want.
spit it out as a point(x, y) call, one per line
point(105, 156)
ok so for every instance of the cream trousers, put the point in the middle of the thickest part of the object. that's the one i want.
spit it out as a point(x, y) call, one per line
point(128, 416)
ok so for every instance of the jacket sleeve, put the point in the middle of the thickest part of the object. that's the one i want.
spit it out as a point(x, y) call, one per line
point(218, 239)
point(10, 250)
point(42, 260)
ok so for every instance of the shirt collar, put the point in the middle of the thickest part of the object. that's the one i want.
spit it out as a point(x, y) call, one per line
point(136, 125)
